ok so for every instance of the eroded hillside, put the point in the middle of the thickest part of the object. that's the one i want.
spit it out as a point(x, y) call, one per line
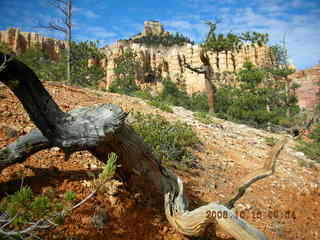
point(283, 206)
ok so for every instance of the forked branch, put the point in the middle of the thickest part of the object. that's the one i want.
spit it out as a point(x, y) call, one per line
point(208, 72)
point(193, 69)
point(267, 170)
point(5, 60)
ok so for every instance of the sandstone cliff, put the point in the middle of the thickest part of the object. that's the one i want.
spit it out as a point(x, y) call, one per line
point(309, 81)
point(20, 41)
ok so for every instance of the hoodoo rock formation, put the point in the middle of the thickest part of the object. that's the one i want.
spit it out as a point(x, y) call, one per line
point(162, 62)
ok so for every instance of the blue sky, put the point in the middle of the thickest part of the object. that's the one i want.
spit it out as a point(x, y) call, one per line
point(110, 20)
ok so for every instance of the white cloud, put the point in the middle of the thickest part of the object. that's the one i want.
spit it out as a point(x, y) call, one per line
point(300, 30)
point(86, 12)
point(273, 16)
point(99, 32)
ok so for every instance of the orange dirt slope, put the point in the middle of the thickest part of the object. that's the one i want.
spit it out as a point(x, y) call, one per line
point(283, 206)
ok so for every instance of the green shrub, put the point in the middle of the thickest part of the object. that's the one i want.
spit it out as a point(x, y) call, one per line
point(311, 147)
point(254, 103)
point(258, 101)
point(110, 168)
point(23, 208)
point(285, 121)
point(161, 105)
point(70, 196)
point(204, 117)
point(164, 40)
point(48, 69)
point(311, 150)
point(4, 48)
point(170, 141)
point(125, 67)
point(173, 94)
point(17, 202)
point(250, 76)
point(40, 206)
point(81, 73)
point(108, 172)
point(39, 61)
point(143, 94)
point(198, 102)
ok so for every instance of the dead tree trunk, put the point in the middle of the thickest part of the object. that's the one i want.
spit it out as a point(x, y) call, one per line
point(64, 25)
point(101, 129)
point(207, 70)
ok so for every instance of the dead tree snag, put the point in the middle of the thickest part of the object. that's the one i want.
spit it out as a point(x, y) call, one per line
point(208, 72)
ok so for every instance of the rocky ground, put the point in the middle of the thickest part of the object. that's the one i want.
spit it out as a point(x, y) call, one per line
point(283, 206)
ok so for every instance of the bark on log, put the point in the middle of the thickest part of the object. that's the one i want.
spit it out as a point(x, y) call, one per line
point(101, 129)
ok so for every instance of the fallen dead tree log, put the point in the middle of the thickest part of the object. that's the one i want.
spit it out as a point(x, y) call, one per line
point(101, 129)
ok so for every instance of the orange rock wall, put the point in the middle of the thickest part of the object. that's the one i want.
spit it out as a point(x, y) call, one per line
point(20, 41)
point(309, 81)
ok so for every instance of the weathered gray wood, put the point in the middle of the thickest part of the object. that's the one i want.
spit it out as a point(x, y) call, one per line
point(85, 129)
point(24, 83)
point(195, 222)
point(100, 129)
point(23, 148)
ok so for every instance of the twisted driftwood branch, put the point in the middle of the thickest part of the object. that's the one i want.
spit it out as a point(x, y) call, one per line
point(267, 170)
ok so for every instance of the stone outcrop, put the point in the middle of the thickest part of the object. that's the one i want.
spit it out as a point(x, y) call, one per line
point(161, 62)
point(156, 63)
point(151, 28)
point(309, 81)
point(19, 41)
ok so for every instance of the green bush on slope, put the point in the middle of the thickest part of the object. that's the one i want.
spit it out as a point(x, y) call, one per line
point(311, 148)
point(169, 141)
